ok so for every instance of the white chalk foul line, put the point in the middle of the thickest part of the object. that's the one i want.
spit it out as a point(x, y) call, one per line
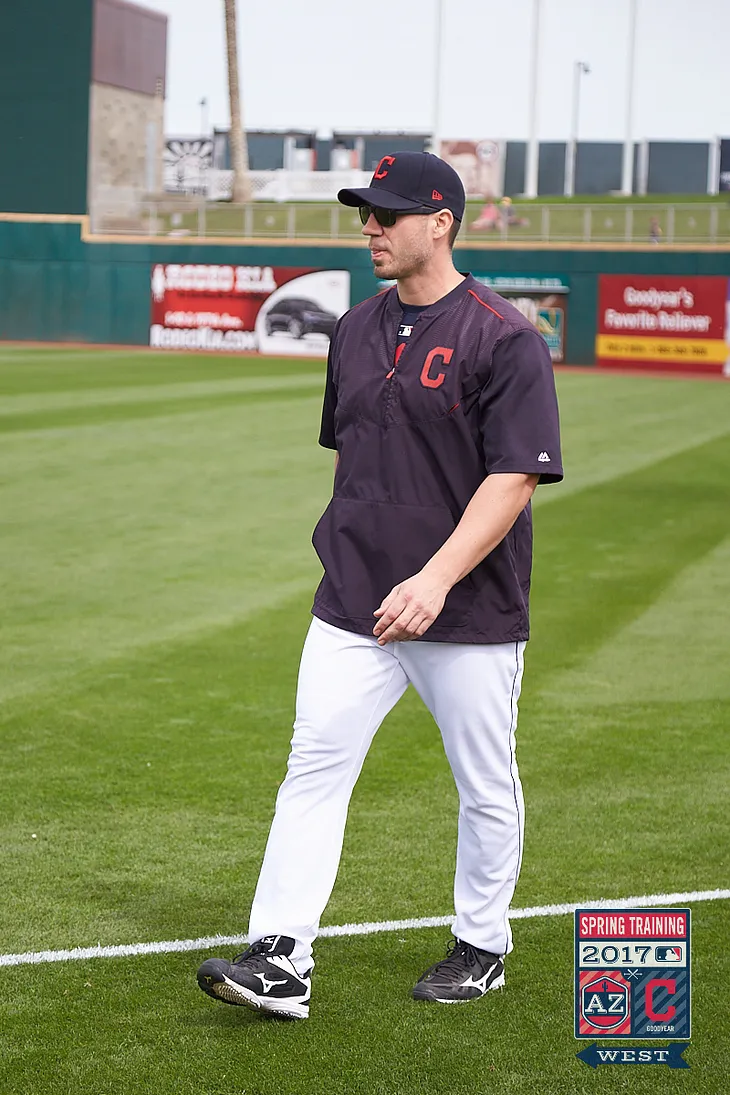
point(210, 942)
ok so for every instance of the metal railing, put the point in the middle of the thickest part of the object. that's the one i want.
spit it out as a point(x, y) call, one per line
point(651, 224)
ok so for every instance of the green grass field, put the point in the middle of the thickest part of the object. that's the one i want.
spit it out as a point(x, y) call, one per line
point(157, 577)
point(597, 217)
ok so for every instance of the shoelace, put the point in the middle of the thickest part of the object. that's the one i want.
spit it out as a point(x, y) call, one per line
point(458, 949)
point(250, 952)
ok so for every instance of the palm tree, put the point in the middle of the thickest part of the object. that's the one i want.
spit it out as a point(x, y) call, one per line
point(239, 148)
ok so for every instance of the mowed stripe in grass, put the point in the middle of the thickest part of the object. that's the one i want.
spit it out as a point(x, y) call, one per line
point(137, 529)
point(104, 413)
point(605, 554)
point(111, 395)
point(45, 402)
point(38, 370)
point(683, 639)
point(148, 769)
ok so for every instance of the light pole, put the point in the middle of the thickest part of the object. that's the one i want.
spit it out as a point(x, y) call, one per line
point(579, 69)
point(627, 167)
point(533, 148)
point(203, 160)
point(436, 119)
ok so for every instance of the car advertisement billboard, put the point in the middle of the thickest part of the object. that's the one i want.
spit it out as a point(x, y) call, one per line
point(270, 309)
point(673, 323)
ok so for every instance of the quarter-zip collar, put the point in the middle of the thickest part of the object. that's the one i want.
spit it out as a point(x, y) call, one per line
point(393, 304)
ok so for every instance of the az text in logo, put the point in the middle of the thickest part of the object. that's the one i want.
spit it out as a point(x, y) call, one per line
point(604, 1003)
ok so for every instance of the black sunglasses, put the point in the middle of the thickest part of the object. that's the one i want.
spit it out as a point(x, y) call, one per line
point(386, 218)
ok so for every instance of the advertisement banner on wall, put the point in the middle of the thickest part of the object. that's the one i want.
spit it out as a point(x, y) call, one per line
point(543, 299)
point(288, 311)
point(674, 323)
point(479, 164)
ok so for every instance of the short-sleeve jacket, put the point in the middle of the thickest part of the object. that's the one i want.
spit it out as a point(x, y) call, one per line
point(472, 395)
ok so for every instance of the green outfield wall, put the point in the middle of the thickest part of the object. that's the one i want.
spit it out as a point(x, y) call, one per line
point(56, 285)
point(45, 74)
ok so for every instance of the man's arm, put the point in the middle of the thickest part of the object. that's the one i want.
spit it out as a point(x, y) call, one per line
point(412, 606)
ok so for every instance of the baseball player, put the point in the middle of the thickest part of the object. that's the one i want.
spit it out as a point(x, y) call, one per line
point(440, 405)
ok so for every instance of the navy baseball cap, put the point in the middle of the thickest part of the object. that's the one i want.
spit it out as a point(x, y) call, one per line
point(410, 180)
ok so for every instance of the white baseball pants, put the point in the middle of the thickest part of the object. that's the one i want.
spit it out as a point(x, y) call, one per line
point(347, 685)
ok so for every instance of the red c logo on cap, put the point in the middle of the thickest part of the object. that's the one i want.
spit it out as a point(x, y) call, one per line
point(381, 174)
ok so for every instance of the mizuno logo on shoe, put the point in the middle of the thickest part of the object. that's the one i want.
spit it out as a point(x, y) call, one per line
point(465, 974)
point(266, 984)
point(481, 982)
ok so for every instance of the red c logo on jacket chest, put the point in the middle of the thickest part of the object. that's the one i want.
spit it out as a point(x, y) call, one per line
point(427, 378)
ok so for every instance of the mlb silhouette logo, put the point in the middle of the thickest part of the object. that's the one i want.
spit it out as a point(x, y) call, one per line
point(669, 954)
point(605, 1003)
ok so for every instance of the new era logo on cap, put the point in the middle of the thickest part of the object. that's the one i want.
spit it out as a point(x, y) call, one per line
point(411, 181)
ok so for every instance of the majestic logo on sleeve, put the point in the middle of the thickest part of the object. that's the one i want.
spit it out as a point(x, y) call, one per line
point(544, 458)
point(439, 356)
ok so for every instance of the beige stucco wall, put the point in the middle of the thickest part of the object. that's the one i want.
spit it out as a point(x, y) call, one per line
point(118, 143)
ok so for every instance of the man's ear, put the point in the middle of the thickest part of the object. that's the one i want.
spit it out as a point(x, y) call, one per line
point(443, 222)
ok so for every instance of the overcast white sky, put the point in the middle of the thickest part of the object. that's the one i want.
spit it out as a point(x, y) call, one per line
point(330, 64)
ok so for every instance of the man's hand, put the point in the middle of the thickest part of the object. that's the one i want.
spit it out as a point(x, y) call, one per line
point(409, 609)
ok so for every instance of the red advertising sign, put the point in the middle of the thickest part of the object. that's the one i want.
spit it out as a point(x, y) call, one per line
point(674, 323)
point(272, 309)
